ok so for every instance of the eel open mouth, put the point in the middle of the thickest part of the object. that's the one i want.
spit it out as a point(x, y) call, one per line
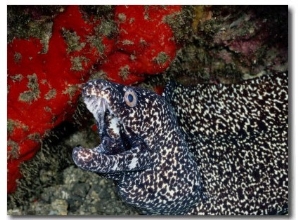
point(117, 152)
point(96, 97)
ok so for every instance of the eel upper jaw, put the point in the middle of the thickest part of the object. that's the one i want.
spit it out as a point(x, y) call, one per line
point(95, 103)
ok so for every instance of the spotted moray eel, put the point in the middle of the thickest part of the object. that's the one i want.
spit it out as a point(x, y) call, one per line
point(210, 149)
point(158, 174)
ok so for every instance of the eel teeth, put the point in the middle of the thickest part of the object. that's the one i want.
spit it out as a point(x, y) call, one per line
point(101, 113)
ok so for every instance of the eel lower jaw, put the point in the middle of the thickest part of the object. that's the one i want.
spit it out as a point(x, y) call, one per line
point(83, 156)
point(76, 151)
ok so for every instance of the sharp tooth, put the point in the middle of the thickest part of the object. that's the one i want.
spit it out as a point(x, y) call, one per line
point(101, 113)
point(103, 104)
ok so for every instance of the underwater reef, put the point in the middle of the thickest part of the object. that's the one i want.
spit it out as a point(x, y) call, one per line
point(53, 50)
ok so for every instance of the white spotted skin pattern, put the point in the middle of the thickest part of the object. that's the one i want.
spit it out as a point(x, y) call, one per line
point(239, 135)
point(158, 175)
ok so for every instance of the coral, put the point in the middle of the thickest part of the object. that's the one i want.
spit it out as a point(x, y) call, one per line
point(243, 35)
point(141, 50)
point(42, 88)
point(202, 13)
point(233, 43)
point(119, 67)
point(152, 48)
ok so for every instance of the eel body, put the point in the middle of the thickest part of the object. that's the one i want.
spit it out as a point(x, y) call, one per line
point(239, 135)
point(209, 149)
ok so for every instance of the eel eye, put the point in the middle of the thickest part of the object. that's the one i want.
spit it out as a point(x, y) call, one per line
point(130, 98)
